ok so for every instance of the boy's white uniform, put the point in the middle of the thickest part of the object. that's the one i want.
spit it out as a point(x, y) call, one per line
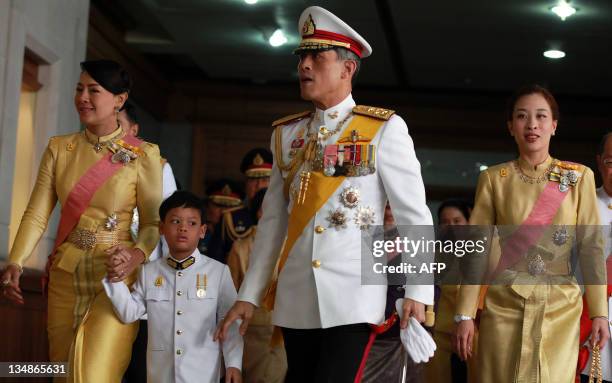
point(181, 323)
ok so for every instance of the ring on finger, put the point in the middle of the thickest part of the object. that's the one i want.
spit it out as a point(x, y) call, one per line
point(6, 282)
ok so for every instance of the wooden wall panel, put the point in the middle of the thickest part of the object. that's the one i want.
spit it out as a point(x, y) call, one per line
point(24, 328)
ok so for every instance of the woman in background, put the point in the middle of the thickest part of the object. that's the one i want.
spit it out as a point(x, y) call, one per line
point(445, 366)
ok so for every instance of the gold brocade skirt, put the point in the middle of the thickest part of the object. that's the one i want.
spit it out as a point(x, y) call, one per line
point(532, 339)
point(82, 326)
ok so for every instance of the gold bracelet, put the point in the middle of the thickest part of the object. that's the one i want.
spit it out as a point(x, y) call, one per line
point(18, 267)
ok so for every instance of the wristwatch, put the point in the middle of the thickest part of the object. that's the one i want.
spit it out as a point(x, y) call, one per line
point(460, 318)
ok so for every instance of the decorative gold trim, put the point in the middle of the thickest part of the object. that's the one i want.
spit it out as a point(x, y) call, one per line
point(372, 111)
point(317, 42)
point(291, 118)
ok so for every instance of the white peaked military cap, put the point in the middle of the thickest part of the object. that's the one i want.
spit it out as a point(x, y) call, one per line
point(321, 29)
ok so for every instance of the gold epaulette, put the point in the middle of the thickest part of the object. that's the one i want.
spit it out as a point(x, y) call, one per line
point(568, 165)
point(372, 111)
point(291, 118)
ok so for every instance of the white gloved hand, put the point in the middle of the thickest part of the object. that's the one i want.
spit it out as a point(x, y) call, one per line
point(417, 342)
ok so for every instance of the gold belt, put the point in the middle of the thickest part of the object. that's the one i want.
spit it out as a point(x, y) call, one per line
point(86, 239)
point(552, 268)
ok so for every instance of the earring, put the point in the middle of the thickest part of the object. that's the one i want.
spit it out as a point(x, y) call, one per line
point(553, 133)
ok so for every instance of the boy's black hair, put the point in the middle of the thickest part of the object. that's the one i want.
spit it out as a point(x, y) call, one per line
point(182, 198)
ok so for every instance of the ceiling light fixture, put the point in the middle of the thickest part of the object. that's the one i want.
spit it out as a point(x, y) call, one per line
point(250, 2)
point(563, 10)
point(278, 38)
point(554, 54)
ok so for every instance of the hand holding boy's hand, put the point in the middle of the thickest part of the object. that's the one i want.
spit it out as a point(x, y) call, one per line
point(122, 262)
point(232, 375)
point(240, 310)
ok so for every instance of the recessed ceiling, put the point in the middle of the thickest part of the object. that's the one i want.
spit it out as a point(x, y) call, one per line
point(479, 45)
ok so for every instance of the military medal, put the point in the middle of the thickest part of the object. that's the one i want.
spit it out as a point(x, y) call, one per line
point(111, 222)
point(201, 287)
point(350, 197)
point(159, 281)
point(572, 177)
point(560, 236)
point(297, 143)
point(120, 156)
point(340, 157)
point(337, 218)
point(364, 217)
point(563, 188)
point(330, 157)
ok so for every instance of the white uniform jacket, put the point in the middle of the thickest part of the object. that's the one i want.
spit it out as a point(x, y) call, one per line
point(181, 324)
point(320, 284)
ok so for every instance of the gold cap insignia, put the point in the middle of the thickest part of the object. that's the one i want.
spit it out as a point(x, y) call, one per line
point(226, 190)
point(503, 172)
point(308, 29)
point(258, 160)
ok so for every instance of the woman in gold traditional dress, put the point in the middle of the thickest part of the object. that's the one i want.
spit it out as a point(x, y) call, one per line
point(529, 325)
point(99, 176)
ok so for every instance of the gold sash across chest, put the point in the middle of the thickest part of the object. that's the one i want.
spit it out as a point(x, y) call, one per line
point(320, 189)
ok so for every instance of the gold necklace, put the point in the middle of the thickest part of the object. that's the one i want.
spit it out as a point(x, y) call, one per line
point(98, 145)
point(327, 133)
point(534, 180)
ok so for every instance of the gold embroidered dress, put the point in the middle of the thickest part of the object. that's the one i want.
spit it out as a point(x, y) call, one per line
point(82, 326)
point(529, 332)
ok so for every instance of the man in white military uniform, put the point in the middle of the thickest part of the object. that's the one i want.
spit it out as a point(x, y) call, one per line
point(185, 294)
point(335, 168)
point(604, 204)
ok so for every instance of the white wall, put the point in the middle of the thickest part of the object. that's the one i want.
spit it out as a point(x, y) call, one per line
point(56, 31)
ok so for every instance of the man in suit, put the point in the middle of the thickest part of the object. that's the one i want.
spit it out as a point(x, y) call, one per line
point(334, 170)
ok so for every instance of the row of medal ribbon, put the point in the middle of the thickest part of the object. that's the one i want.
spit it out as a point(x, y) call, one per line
point(352, 160)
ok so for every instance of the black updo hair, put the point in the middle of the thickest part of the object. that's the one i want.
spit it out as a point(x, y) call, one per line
point(464, 206)
point(109, 74)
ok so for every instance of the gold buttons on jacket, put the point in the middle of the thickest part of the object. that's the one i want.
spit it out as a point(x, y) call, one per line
point(180, 312)
point(179, 351)
point(179, 293)
point(316, 263)
point(319, 229)
point(179, 332)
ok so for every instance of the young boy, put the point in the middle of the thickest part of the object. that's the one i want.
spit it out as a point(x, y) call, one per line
point(185, 295)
